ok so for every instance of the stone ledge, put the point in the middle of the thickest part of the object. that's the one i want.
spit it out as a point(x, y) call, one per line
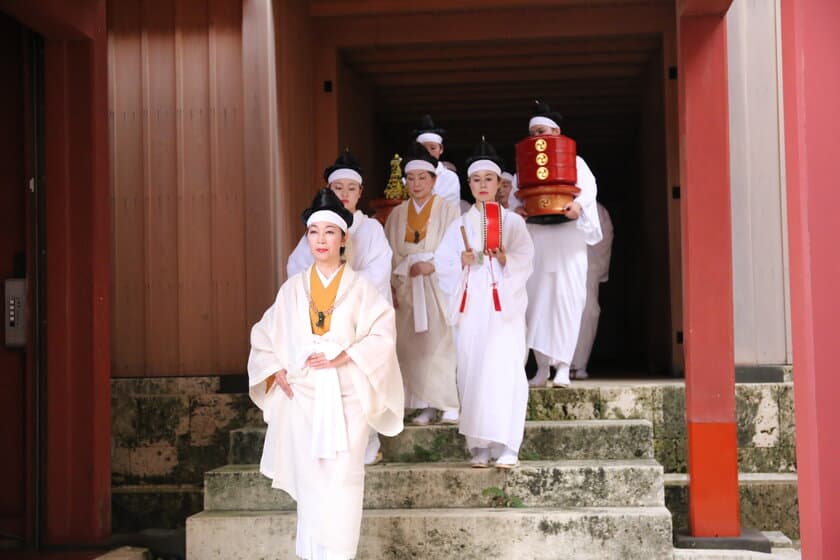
point(769, 501)
point(580, 439)
point(456, 485)
point(466, 534)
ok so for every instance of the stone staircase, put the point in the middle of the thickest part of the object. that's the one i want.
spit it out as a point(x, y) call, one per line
point(591, 484)
point(585, 489)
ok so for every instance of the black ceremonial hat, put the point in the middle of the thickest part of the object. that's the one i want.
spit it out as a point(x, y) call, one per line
point(542, 109)
point(328, 200)
point(345, 160)
point(428, 125)
point(485, 150)
point(418, 151)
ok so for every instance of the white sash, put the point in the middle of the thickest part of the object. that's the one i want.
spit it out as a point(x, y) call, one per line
point(329, 430)
point(418, 293)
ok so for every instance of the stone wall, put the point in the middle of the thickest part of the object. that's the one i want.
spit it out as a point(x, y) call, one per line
point(167, 433)
point(766, 434)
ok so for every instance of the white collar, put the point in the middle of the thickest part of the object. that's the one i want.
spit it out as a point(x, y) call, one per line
point(326, 281)
point(420, 208)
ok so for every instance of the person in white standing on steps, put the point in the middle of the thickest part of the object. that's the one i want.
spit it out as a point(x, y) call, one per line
point(447, 185)
point(323, 368)
point(424, 339)
point(597, 272)
point(557, 289)
point(367, 250)
point(484, 262)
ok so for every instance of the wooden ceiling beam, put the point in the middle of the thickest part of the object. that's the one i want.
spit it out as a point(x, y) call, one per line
point(344, 8)
point(510, 75)
point(499, 25)
point(554, 48)
point(378, 69)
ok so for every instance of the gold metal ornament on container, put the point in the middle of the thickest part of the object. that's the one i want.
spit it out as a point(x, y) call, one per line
point(540, 145)
point(542, 158)
point(542, 173)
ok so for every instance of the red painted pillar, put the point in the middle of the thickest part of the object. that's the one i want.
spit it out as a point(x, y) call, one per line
point(811, 75)
point(707, 277)
point(78, 407)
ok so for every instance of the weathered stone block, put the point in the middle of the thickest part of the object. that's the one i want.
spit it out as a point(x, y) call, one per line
point(673, 413)
point(164, 506)
point(153, 462)
point(456, 485)
point(564, 404)
point(768, 501)
point(624, 402)
point(583, 439)
point(757, 413)
point(160, 419)
point(432, 534)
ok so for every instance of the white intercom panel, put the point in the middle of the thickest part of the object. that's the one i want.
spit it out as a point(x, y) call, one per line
point(15, 312)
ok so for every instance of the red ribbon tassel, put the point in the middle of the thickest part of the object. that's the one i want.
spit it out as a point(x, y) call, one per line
point(464, 297)
point(497, 303)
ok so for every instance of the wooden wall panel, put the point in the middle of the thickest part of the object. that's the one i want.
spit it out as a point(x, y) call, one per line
point(195, 234)
point(127, 154)
point(262, 185)
point(227, 203)
point(300, 160)
point(178, 186)
point(158, 43)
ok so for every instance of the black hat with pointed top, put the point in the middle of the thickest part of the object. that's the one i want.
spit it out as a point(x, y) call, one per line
point(418, 152)
point(427, 126)
point(485, 150)
point(345, 160)
point(542, 109)
point(325, 199)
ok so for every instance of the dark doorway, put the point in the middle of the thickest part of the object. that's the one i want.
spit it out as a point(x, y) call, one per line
point(611, 93)
point(20, 73)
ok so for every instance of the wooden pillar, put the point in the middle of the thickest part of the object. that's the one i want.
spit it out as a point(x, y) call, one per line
point(78, 390)
point(76, 473)
point(707, 276)
point(810, 44)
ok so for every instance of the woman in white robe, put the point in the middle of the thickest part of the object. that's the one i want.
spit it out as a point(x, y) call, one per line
point(368, 252)
point(490, 342)
point(557, 288)
point(447, 184)
point(323, 375)
point(425, 346)
point(598, 272)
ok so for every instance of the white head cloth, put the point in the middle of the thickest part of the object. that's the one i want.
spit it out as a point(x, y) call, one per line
point(535, 121)
point(507, 177)
point(484, 165)
point(420, 165)
point(327, 216)
point(344, 173)
point(430, 137)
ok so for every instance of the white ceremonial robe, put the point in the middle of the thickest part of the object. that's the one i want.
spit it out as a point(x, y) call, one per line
point(491, 344)
point(557, 289)
point(597, 272)
point(447, 185)
point(425, 346)
point(331, 410)
point(367, 252)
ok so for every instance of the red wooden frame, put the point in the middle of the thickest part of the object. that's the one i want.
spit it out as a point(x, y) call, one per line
point(77, 461)
point(811, 79)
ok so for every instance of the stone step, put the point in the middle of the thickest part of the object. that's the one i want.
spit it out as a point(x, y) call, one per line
point(775, 554)
point(445, 534)
point(456, 485)
point(545, 440)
